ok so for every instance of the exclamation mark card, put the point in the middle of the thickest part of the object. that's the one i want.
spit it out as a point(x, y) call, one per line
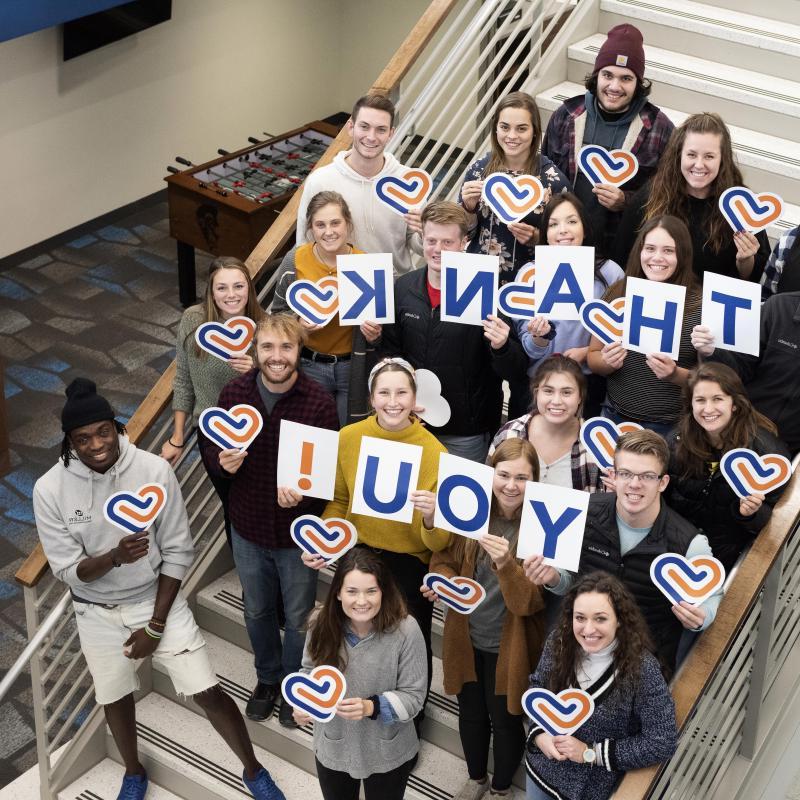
point(307, 459)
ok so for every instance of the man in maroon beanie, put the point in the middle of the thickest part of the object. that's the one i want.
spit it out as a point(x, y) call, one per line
point(613, 113)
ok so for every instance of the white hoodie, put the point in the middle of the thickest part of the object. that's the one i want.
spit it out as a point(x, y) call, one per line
point(378, 229)
point(68, 504)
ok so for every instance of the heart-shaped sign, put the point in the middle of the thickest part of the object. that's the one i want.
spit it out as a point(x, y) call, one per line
point(559, 714)
point(226, 339)
point(402, 193)
point(511, 197)
point(747, 211)
point(691, 579)
point(515, 299)
point(607, 166)
point(135, 512)
point(599, 436)
point(429, 397)
point(749, 473)
point(317, 303)
point(463, 595)
point(604, 320)
point(329, 538)
point(231, 429)
point(317, 693)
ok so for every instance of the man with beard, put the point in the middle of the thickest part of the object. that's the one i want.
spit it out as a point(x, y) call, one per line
point(266, 558)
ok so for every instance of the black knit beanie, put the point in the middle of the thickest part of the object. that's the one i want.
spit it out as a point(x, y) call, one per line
point(84, 406)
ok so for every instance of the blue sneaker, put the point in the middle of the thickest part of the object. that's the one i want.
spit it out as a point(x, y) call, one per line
point(134, 787)
point(262, 787)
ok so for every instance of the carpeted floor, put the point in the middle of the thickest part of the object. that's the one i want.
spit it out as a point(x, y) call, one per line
point(100, 301)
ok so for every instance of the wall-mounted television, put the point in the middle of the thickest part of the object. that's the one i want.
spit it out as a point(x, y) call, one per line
point(97, 30)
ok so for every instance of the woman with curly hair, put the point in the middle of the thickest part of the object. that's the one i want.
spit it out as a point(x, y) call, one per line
point(696, 168)
point(601, 645)
point(718, 416)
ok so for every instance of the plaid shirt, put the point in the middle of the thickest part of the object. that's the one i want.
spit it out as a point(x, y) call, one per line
point(559, 140)
point(253, 498)
point(774, 268)
point(585, 474)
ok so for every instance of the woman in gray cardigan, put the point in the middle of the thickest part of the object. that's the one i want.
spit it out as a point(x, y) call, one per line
point(364, 630)
point(600, 644)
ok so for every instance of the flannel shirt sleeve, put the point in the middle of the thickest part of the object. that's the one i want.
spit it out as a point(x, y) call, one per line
point(776, 262)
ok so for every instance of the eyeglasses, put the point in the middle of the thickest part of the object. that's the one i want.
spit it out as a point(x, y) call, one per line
point(645, 477)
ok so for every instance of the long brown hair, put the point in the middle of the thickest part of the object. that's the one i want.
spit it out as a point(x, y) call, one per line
point(633, 637)
point(684, 273)
point(210, 311)
point(327, 625)
point(464, 548)
point(588, 229)
point(497, 160)
point(668, 188)
point(555, 364)
point(693, 448)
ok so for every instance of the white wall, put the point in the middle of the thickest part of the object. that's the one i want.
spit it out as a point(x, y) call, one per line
point(87, 136)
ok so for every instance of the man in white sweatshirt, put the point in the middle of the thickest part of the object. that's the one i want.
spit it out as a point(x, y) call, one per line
point(126, 589)
point(354, 173)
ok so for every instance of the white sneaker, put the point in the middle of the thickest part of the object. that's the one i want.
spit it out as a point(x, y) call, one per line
point(472, 790)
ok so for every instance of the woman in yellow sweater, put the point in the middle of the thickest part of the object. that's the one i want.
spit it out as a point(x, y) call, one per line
point(405, 548)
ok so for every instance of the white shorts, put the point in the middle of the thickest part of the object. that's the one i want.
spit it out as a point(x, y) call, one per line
point(182, 650)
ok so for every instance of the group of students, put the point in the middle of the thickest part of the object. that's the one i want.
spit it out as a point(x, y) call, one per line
point(607, 630)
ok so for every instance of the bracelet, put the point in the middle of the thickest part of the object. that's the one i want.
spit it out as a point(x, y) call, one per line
point(151, 633)
point(157, 624)
point(179, 446)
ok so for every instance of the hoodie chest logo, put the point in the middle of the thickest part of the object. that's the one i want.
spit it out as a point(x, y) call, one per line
point(402, 193)
point(135, 512)
point(78, 518)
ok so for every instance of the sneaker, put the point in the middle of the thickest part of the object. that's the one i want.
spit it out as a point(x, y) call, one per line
point(134, 787)
point(262, 787)
point(472, 790)
point(262, 701)
point(286, 716)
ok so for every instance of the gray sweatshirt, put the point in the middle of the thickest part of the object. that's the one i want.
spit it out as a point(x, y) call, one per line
point(68, 504)
point(392, 664)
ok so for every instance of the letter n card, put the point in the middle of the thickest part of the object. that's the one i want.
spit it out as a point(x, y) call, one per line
point(307, 459)
point(469, 287)
point(552, 524)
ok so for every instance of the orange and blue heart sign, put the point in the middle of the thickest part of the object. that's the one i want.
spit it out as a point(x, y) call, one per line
point(317, 692)
point(613, 167)
point(403, 193)
point(461, 594)
point(691, 579)
point(226, 339)
point(749, 473)
point(600, 435)
point(559, 714)
point(515, 299)
point(232, 429)
point(135, 512)
point(604, 320)
point(512, 197)
point(329, 538)
point(747, 211)
point(316, 302)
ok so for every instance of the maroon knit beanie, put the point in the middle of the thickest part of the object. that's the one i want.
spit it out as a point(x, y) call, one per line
point(623, 48)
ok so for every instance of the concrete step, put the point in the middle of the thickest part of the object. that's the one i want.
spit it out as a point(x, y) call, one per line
point(735, 38)
point(742, 97)
point(768, 162)
point(774, 10)
point(102, 782)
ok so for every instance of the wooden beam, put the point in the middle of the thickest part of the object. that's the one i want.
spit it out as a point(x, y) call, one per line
point(33, 568)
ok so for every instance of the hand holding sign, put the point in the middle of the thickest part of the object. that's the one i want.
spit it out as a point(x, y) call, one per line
point(226, 339)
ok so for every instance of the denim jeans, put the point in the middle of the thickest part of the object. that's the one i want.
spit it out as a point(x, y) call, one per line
point(475, 448)
point(263, 573)
point(334, 378)
point(533, 792)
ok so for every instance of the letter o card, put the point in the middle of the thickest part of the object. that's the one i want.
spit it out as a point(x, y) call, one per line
point(552, 524)
point(307, 459)
point(464, 496)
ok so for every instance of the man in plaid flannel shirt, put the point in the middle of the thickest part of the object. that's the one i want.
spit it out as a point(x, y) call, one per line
point(615, 114)
point(266, 557)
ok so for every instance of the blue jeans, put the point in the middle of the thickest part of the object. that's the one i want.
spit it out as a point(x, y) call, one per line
point(475, 448)
point(334, 378)
point(659, 427)
point(263, 573)
point(533, 792)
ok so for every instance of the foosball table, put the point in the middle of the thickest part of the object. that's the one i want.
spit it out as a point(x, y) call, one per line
point(225, 206)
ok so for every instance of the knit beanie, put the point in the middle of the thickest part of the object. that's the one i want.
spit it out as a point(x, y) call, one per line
point(84, 406)
point(623, 48)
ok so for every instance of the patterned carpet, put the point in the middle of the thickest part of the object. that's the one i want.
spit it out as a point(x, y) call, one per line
point(101, 302)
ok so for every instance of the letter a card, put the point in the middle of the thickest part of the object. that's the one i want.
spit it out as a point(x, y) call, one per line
point(387, 472)
point(552, 524)
point(366, 288)
point(307, 459)
point(564, 281)
point(732, 310)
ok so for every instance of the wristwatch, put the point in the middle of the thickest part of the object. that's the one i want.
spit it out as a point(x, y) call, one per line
point(589, 756)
